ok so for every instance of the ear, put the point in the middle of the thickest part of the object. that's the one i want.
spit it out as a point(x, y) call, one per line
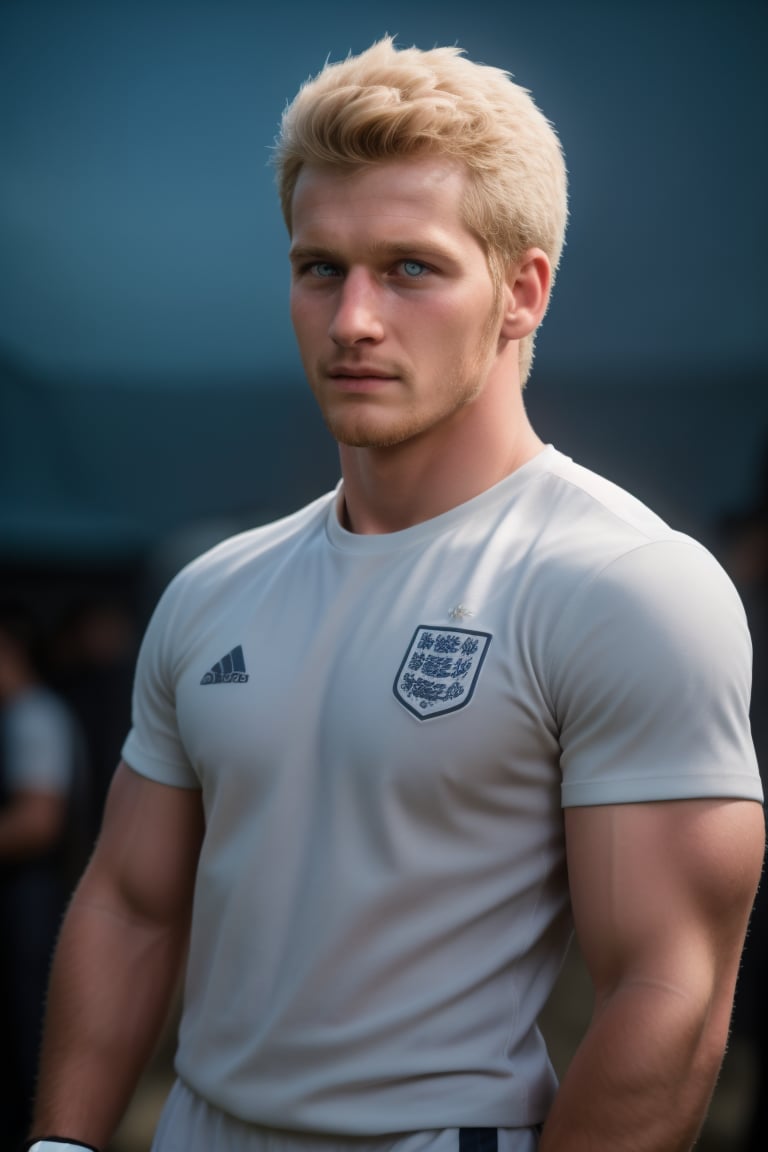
point(526, 294)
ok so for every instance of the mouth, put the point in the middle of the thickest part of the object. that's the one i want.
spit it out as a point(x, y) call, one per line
point(359, 373)
point(359, 379)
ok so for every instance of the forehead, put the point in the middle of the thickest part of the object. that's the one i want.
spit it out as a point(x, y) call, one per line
point(422, 192)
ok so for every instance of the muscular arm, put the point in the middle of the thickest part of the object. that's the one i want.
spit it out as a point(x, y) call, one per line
point(661, 895)
point(118, 957)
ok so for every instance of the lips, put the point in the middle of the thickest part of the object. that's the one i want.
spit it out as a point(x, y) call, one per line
point(359, 374)
point(359, 378)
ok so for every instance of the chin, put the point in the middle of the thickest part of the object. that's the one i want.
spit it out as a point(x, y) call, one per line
point(367, 430)
point(365, 438)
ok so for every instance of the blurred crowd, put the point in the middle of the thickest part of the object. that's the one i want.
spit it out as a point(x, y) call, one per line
point(64, 712)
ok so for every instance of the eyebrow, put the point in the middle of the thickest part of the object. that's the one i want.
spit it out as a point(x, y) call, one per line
point(307, 252)
point(393, 249)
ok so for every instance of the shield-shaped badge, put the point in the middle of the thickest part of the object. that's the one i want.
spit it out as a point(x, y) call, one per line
point(440, 670)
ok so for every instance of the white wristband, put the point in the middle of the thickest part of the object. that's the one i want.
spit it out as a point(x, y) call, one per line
point(56, 1145)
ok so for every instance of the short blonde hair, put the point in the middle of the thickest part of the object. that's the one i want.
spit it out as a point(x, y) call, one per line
point(389, 103)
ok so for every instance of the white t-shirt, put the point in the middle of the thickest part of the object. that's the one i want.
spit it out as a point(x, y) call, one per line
point(385, 729)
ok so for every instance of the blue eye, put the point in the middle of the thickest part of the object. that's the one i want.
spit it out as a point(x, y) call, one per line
point(324, 270)
point(413, 268)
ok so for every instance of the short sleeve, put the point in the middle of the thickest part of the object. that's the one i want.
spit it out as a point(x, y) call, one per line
point(153, 747)
point(651, 677)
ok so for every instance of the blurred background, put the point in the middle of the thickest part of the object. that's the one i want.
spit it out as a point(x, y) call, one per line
point(151, 397)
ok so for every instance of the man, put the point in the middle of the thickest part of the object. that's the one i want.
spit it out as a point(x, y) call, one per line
point(385, 749)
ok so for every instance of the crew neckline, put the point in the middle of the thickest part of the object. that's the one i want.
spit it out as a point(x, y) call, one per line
point(417, 534)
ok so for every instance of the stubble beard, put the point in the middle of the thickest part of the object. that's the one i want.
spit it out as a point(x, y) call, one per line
point(373, 426)
point(377, 427)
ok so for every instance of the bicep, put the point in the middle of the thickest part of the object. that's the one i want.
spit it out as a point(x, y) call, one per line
point(661, 892)
point(146, 856)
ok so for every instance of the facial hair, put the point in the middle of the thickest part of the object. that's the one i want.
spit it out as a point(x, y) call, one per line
point(369, 430)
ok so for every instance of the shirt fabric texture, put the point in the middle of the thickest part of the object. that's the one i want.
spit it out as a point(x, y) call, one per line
point(385, 730)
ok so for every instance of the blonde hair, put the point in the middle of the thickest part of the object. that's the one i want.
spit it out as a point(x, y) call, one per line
point(389, 103)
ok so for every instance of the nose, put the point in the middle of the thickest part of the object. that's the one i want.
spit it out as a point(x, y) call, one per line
point(357, 316)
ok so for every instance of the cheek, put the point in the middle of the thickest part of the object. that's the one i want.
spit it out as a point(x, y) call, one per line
point(304, 318)
point(295, 308)
point(443, 326)
point(460, 336)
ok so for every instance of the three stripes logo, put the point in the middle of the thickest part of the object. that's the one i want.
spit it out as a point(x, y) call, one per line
point(229, 670)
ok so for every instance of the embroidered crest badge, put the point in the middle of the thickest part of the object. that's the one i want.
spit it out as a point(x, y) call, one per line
point(440, 670)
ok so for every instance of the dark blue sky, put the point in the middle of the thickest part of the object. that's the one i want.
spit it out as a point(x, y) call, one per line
point(139, 230)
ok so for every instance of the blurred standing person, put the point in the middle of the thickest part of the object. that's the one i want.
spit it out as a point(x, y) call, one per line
point(93, 656)
point(40, 768)
point(387, 751)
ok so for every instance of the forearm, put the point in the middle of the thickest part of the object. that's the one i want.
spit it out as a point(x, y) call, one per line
point(111, 985)
point(642, 1077)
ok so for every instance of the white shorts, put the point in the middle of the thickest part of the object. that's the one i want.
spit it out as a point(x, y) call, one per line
point(188, 1124)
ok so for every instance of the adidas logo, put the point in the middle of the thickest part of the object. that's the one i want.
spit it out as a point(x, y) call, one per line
point(229, 670)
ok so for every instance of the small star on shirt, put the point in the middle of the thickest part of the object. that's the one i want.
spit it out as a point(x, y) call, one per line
point(460, 612)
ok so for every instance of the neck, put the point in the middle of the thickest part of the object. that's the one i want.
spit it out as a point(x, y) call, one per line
point(390, 489)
